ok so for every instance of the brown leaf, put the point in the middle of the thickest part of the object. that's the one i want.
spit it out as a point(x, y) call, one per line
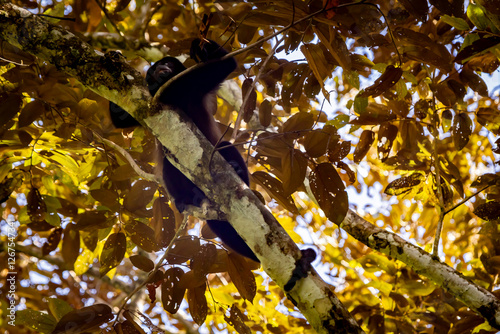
point(339, 151)
point(142, 235)
point(171, 291)
point(203, 259)
point(121, 5)
point(140, 194)
point(122, 173)
point(317, 141)
point(365, 142)
point(112, 252)
point(474, 81)
point(52, 241)
point(91, 220)
point(189, 280)
point(107, 197)
point(299, 122)
point(265, 113)
point(246, 33)
point(421, 108)
point(40, 226)
point(274, 187)
point(7, 187)
point(163, 222)
point(489, 118)
point(404, 184)
point(335, 44)
point(241, 276)
point(237, 319)
point(457, 87)
point(488, 211)
point(451, 174)
point(445, 94)
point(10, 106)
point(350, 173)
point(386, 135)
point(446, 119)
point(221, 262)
point(399, 299)
point(388, 79)
point(183, 249)
point(68, 209)
point(86, 319)
point(36, 206)
point(318, 64)
point(127, 327)
point(251, 102)
point(485, 63)
point(31, 112)
point(271, 146)
point(417, 8)
point(329, 191)
point(197, 304)
point(428, 56)
point(142, 262)
point(90, 239)
point(467, 323)
point(374, 113)
point(293, 168)
point(461, 130)
point(71, 244)
point(477, 47)
point(450, 7)
point(486, 180)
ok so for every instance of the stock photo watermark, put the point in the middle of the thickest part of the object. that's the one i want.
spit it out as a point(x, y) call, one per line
point(10, 228)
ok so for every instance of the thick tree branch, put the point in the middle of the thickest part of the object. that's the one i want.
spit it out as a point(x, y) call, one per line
point(475, 297)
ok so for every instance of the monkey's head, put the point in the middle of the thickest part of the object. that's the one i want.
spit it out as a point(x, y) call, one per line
point(162, 71)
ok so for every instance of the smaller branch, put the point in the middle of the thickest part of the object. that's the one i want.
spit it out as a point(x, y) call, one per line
point(61, 264)
point(435, 134)
point(62, 18)
point(128, 157)
point(466, 199)
point(252, 88)
point(391, 35)
point(157, 267)
point(265, 39)
point(105, 11)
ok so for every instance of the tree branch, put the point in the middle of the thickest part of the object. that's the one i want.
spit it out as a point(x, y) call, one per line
point(475, 297)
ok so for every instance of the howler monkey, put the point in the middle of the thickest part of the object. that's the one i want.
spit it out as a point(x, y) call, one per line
point(193, 93)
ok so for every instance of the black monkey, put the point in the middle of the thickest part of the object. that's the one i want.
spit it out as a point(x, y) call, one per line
point(193, 93)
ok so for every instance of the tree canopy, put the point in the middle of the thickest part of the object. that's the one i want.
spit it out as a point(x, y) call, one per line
point(370, 129)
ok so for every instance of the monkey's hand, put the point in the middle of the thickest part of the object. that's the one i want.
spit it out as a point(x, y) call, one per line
point(205, 50)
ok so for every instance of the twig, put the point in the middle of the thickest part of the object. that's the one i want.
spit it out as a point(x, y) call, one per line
point(128, 157)
point(466, 199)
point(251, 89)
point(157, 266)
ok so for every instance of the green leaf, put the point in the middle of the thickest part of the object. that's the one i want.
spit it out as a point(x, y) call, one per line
point(339, 121)
point(477, 16)
point(352, 78)
point(38, 321)
point(360, 104)
point(455, 22)
point(59, 308)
